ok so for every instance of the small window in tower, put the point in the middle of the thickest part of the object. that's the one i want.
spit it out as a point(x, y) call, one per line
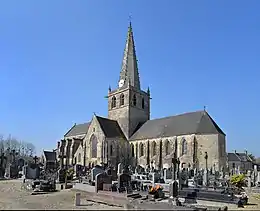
point(122, 99)
point(134, 100)
point(142, 103)
point(113, 104)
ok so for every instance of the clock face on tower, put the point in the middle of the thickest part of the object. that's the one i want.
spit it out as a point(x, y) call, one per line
point(121, 83)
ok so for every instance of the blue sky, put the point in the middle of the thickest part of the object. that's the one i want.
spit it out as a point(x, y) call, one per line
point(57, 59)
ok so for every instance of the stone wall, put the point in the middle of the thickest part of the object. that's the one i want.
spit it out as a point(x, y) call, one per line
point(196, 145)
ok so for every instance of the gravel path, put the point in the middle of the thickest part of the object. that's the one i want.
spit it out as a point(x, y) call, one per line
point(12, 196)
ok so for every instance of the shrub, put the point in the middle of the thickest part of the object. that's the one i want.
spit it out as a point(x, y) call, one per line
point(238, 180)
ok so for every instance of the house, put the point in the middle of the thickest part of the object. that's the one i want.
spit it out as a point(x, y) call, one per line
point(239, 161)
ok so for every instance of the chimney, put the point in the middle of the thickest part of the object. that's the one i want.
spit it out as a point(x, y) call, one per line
point(246, 152)
point(58, 145)
point(235, 152)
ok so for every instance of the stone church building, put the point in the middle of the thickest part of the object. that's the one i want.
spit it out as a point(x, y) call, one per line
point(128, 130)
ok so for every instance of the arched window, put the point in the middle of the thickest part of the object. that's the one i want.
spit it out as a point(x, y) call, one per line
point(111, 150)
point(122, 99)
point(132, 148)
point(153, 148)
point(79, 157)
point(141, 149)
point(184, 147)
point(142, 103)
point(113, 104)
point(134, 100)
point(167, 147)
point(93, 142)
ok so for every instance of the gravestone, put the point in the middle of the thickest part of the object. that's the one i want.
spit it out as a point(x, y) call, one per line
point(155, 177)
point(249, 182)
point(120, 168)
point(8, 171)
point(94, 172)
point(102, 181)
point(31, 171)
point(182, 179)
point(258, 177)
point(191, 173)
point(205, 177)
point(167, 175)
point(123, 181)
point(173, 189)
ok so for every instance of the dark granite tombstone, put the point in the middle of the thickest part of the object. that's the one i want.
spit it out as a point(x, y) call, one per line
point(123, 181)
point(191, 173)
point(174, 189)
point(101, 179)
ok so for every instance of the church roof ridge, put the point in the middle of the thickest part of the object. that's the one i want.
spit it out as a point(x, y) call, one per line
point(187, 123)
point(181, 114)
point(78, 129)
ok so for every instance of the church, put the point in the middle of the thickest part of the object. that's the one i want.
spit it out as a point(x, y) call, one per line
point(129, 133)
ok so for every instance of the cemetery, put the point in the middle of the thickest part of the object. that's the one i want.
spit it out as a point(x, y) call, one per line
point(172, 188)
point(188, 188)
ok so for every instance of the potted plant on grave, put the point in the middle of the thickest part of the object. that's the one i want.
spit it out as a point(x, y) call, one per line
point(156, 191)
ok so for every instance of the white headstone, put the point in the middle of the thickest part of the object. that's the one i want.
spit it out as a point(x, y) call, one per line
point(258, 176)
point(120, 168)
point(205, 177)
point(249, 182)
point(255, 168)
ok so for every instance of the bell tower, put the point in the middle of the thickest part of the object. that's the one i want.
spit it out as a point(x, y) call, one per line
point(128, 104)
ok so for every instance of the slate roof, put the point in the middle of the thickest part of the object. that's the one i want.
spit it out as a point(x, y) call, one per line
point(235, 156)
point(198, 122)
point(49, 155)
point(110, 127)
point(79, 129)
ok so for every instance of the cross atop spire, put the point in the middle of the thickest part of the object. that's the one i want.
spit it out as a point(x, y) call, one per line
point(129, 74)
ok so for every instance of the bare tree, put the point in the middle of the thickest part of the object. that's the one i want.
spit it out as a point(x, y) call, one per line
point(2, 149)
point(22, 148)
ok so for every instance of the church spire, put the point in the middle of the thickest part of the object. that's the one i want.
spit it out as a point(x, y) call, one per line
point(129, 71)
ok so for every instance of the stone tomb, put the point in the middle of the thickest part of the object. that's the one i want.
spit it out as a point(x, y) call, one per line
point(103, 182)
point(124, 181)
point(31, 171)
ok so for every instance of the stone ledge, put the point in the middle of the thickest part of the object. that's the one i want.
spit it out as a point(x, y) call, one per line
point(104, 198)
